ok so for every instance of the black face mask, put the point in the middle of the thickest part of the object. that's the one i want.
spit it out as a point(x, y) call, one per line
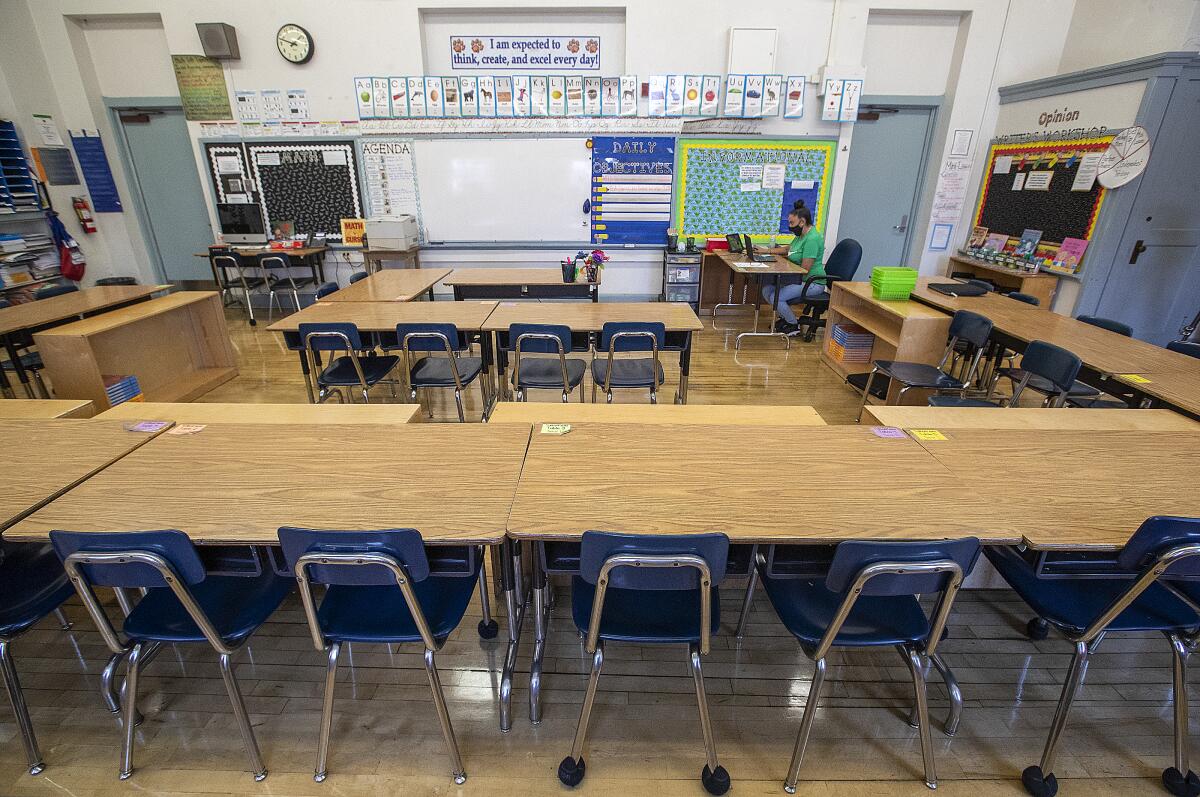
point(797, 230)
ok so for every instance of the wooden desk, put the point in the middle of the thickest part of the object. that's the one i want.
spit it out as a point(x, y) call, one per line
point(391, 285)
point(519, 283)
point(177, 346)
point(1179, 389)
point(1027, 418)
point(751, 482)
point(46, 408)
point(52, 456)
point(27, 317)
point(311, 256)
point(384, 316)
point(323, 414)
point(1075, 489)
point(721, 280)
point(903, 330)
point(1035, 283)
point(452, 482)
point(724, 414)
point(758, 273)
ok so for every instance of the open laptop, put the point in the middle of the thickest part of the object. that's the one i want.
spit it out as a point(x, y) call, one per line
point(750, 254)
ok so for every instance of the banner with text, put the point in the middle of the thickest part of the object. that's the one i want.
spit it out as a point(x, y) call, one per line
point(571, 53)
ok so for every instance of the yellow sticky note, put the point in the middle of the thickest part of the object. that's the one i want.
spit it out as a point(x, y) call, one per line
point(1135, 378)
point(926, 434)
point(556, 428)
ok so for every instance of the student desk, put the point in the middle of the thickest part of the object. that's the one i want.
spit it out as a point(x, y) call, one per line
point(519, 283)
point(588, 319)
point(19, 319)
point(1027, 418)
point(54, 456)
point(451, 482)
point(177, 346)
point(739, 263)
point(383, 317)
point(1073, 489)
point(311, 256)
point(1035, 283)
point(262, 413)
point(723, 414)
point(391, 285)
point(1176, 388)
point(14, 409)
point(904, 330)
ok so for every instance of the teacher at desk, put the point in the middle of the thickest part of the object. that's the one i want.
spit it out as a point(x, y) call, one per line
point(807, 250)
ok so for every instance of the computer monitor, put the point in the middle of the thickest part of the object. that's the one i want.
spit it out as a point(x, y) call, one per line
point(241, 223)
point(749, 245)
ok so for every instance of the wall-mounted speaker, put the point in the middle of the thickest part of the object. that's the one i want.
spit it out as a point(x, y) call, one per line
point(218, 40)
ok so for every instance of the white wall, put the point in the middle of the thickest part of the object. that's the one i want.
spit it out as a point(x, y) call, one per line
point(909, 53)
point(130, 55)
point(1109, 31)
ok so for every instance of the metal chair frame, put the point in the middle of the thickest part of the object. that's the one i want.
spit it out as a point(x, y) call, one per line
point(333, 649)
point(16, 698)
point(314, 363)
point(272, 281)
point(450, 352)
point(562, 363)
point(915, 656)
point(967, 380)
point(1039, 779)
point(595, 646)
point(138, 655)
point(612, 342)
point(236, 264)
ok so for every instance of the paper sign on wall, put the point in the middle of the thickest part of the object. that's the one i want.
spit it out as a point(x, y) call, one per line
point(610, 96)
point(574, 90)
point(416, 97)
point(274, 106)
point(710, 95)
point(831, 107)
point(591, 96)
point(247, 102)
point(504, 95)
point(556, 105)
point(691, 95)
point(538, 96)
point(398, 89)
point(469, 89)
point(851, 94)
point(379, 94)
point(675, 95)
point(1002, 165)
point(772, 86)
point(521, 95)
point(754, 96)
point(487, 95)
point(1038, 181)
point(629, 101)
point(451, 97)
point(793, 101)
point(433, 97)
point(1018, 181)
point(735, 94)
point(773, 176)
point(1085, 172)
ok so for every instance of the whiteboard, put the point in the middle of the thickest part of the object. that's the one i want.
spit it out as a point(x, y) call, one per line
point(484, 190)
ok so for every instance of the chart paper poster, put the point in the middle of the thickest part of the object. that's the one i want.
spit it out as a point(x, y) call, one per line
point(772, 86)
point(629, 102)
point(793, 101)
point(675, 95)
point(501, 53)
point(610, 96)
point(504, 95)
point(202, 89)
point(574, 89)
point(631, 188)
point(416, 97)
point(710, 95)
point(391, 178)
point(735, 94)
point(591, 96)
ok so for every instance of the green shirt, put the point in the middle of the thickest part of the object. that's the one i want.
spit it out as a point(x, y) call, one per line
point(811, 244)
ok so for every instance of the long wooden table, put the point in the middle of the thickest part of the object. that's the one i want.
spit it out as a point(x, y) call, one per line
point(1175, 388)
point(49, 457)
point(452, 482)
point(215, 412)
point(586, 320)
point(391, 285)
point(1027, 418)
point(13, 409)
point(1040, 284)
point(21, 319)
point(519, 283)
point(671, 414)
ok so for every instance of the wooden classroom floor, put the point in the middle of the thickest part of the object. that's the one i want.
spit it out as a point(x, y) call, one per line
point(645, 735)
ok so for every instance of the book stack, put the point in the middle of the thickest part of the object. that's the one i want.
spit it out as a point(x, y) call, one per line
point(121, 389)
point(850, 343)
point(12, 243)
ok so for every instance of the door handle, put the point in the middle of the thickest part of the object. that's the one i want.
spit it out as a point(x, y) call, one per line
point(1138, 248)
point(903, 225)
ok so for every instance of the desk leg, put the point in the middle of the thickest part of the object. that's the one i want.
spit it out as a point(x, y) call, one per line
point(541, 618)
point(5, 385)
point(729, 302)
point(308, 384)
point(774, 317)
point(15, 358)
point(594, 290)
point(458, 297)
point(485, 379)
point(685, 368)
point(516, 614)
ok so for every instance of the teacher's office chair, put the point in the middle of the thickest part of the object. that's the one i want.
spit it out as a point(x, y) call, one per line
point(840, 267)
point(1155, 586)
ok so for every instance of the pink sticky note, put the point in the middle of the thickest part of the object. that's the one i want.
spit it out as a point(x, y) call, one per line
point(888, 431)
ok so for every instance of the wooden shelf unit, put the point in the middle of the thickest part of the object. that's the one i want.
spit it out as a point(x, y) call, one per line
point(177, 346)
point(1035, 283)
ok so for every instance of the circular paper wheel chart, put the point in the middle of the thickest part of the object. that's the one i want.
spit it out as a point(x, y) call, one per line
point(1125, 158)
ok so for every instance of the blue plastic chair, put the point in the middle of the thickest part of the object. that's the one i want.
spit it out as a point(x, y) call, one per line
point(280, 263)
point(972, 329)
point(1185, 347)
point(544, 373)
point(181, 604)
point(347, 367)
point(46, 291)
point(452, 371)
point(648, 590)
point(358, 275)
point(32, 585)
point(618, 337)
point(1024, 297)
point(326, 289)
point(868, 598)
point(1045, 368)
point(1153, 587)
point(379, 589)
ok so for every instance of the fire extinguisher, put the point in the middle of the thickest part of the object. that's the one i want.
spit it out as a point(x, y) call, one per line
point(84, 213)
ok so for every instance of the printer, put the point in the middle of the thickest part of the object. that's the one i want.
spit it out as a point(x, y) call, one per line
point(392, 232)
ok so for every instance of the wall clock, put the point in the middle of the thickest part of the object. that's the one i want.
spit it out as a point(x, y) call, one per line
point(295, 44)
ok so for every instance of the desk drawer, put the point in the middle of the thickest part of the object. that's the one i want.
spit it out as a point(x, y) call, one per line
point(683, 293)
point(683, 273)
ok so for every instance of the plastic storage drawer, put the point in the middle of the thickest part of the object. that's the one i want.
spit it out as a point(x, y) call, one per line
point(683, 273)
point(683, 293)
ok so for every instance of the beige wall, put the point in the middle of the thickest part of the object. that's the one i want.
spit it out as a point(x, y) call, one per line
point(1108, 31)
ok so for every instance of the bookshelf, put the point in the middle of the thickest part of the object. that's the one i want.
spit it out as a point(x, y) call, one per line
point(21, 214)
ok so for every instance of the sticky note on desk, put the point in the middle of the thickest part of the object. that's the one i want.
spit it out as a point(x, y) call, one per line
point(187, 428)
point(556, 428)
point(147, 426)
point(887, 431)
point(926, 434)
point(1137, 379)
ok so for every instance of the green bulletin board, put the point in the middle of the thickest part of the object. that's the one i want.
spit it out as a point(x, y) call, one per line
point(717, 192)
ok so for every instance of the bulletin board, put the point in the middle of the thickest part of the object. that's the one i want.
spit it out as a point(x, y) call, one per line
point(726, 185)
point(314, 186)
point(1057, 211)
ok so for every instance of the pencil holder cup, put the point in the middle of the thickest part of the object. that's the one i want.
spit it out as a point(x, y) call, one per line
point(568, 271)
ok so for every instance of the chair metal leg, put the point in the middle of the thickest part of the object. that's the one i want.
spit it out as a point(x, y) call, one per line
point(17, 698)
point(866, 395)
point(439, 701)
point(714, 777)
point(916, 666)
point(239, 710)
point(333, 652)
point(488, 627)
point(129, 711)
point(747, 600)
point(462, 418)
point(956, 699)
point(1039, 779)
point(573, 768)
point(41, 385)
point(806, 723)
point(539, 654)
point(1180, 779)
point(63, 622)
point(108, 690)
